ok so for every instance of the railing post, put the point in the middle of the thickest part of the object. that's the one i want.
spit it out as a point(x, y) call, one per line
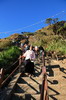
point(44, 89)
point(20, 61)
point(1, 75)
point(43, 68)
point(43, 58)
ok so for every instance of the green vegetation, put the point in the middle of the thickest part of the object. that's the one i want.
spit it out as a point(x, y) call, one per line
point(9, 56)
point(50, 43)
point(5, 43)
point(60, 28)
point(59, 47)
point(27, 33)
point(52, 37)
point(50, 21)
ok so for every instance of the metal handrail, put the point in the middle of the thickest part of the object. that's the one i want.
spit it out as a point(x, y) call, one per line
point(20, 61)
point(44, 88)
point(11, 66)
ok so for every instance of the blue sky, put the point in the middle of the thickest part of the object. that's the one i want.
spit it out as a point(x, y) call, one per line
point(17, 15)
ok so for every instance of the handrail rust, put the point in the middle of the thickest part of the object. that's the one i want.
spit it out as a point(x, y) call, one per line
point(44, 88)
point(20, 61)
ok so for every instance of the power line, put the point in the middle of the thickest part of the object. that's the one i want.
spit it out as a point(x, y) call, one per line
point(32, 24)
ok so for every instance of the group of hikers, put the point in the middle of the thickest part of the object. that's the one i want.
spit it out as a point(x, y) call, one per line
point(30, 53)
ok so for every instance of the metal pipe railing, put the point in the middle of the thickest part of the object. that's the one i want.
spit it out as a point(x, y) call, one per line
point(44, 88)
point(1, 75)
point(18, 66)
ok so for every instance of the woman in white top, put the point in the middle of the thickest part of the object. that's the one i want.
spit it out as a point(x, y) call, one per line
point(29, 60)
point(29, 54)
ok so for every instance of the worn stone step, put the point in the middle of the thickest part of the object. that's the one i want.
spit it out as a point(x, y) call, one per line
point(56, 80)
point(27, 88)
point(55, 73)
point(23, 96)
point(35, 97)
point(57, 97)
point(58, 73)
point(58, 77)
point(57, 89)
point(32, 80)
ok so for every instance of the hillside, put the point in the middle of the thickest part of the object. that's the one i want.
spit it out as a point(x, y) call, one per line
point(46, 30)
point(14, 39)
point(52, 38)
point(54, 29)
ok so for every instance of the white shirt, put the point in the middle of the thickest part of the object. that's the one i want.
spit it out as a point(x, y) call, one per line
point(29, 54)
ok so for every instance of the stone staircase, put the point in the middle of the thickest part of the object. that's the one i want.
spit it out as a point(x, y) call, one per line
point(28, 88)
point(56, 81)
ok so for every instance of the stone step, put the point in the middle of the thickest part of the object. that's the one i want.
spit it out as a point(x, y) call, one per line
point(55, 75)
point(59, 77)
point(56, 82)
point(32, 80)
point(37, 69)
point(35, 97)
point(27, 88)
point(57, 97)
point(57, 89)
point(58, 73)
point(22, 96)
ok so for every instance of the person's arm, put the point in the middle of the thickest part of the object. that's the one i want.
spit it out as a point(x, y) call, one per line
point(23, 56)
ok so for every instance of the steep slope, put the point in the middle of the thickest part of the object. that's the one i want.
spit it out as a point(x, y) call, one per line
point(47, 30)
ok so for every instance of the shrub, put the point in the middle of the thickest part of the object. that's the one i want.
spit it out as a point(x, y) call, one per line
point(59, 47)
point(5, 43)
point(9, 56)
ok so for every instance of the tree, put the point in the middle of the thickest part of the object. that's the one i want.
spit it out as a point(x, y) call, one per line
point(65, 25)
point(48, 21)
point(55, 20)
point(55, 29)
